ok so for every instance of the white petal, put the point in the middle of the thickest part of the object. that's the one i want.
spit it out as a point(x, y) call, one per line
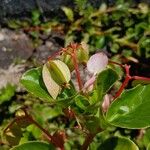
point(97, 63)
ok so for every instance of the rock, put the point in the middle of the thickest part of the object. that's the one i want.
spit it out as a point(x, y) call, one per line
point(11, 75)
point(14, 46)
point(21, 8)
point(45, 50)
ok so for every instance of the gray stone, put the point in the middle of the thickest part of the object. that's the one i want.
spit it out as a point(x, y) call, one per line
point(14, 46)
point(45, 50)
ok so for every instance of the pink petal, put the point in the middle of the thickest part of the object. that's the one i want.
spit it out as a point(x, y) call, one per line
point(97, 63)
point(89, 84)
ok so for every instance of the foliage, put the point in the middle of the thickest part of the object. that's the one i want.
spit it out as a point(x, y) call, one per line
point(83, 104)
point(120, 28)
point(92, 110)
point(7, 93)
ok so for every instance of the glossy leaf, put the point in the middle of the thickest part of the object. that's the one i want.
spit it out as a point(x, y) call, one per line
point(105, 81)
point(131, 109)
point(35, 145)
point(32, 81)
point(118, 143)
point(52, 87)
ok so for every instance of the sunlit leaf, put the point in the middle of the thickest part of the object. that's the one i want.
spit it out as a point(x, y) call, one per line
point(52, 87)
point(33, 82)
point(131, 109)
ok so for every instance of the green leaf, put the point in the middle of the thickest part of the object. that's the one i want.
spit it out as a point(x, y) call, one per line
point(7, 93)
point(118, 143)
point(92, 124)
point(32, 81)
point(148, 147)
point(69, 13)
point(34, 145)
point(105, 81)
point(131, 109)
point(82, 102)
point(36, 17)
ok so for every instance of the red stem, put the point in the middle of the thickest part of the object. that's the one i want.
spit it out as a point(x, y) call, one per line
point(49, 136)
point(112, 62)
point(140, 78)
point(88, 141)
point(124, 84)
point(74, 57)
point(56, 54)
point(126, 81)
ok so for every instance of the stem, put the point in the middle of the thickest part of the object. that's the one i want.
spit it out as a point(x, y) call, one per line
point(55, 54)
point(87, 141)
point(112, 62)
point(125, 83)
point(141, 78)
point(48, 136)
point(51, 139)
point(13, 121)
point(74, 57)
point(127, 78)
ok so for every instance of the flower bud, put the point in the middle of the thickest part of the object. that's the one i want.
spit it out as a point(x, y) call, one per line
point(59, 72)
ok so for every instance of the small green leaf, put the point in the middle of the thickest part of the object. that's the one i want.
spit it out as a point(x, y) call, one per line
point(69, 13)
point(105, 81)
point(131, 109)
point(81, 102)
point(36, 17)
point(148, 147)
point(118, 143)
point(7, 93)
point(34, 145)
point(32, 81)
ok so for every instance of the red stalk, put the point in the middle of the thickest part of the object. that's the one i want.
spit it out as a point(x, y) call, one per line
point(74, 57)
point(49, 137)
point(140, 78)
point(55, 54)
point(127, 79)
